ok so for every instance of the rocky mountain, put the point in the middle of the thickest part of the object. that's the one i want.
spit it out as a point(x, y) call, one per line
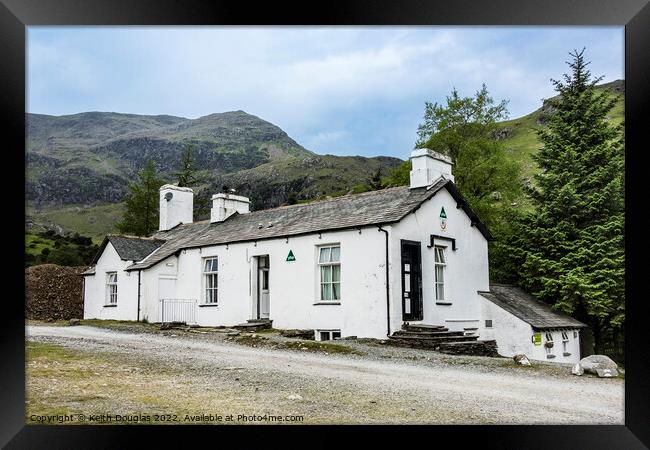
point(81, 163)
point(90, 157)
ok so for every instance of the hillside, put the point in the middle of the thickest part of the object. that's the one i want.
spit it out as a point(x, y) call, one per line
point(520, 135)
point(90, 157)
point(79, 165)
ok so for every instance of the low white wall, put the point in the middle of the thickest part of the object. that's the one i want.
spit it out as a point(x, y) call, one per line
point(95, 291)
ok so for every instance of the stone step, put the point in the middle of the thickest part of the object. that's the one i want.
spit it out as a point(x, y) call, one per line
point(259, 320)
point(476, 348)
point(253, 326)
point(428, 334)
point(423, 327)
point(409, 341)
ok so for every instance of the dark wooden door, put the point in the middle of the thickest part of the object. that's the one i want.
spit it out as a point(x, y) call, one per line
point(411, 281)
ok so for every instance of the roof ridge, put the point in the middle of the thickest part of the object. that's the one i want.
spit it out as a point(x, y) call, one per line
point(129, 236)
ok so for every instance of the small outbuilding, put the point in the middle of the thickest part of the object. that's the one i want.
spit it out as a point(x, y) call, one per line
point(522, 324)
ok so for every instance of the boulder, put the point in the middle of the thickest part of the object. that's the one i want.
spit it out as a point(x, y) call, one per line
point(592, 363)
point(521, 359)
point(607, 373)
point(74, 322)
point(577, 369)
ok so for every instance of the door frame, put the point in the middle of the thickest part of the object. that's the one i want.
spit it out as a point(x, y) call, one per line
point(260, 269)
point(419, 313)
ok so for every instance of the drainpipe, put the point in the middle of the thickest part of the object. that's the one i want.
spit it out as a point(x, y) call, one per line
point(387, 285)
point(138, 319)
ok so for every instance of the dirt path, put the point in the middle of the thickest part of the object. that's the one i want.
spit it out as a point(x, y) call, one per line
point(228, 378)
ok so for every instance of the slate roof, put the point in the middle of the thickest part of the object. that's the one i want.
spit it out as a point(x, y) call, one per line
point(350, 211)
point(526, 307)
point(129, 248)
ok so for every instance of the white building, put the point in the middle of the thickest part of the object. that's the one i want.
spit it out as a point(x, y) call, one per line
point(359, 265)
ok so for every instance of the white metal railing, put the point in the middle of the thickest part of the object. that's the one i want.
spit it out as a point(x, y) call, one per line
point(177, 310)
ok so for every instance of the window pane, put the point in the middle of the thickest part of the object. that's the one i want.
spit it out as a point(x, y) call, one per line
point(208, 281)
point(326, 291)
point(325, 274)
point(440, 291)
point(335, 256)
point(440, 277)
point(407, 282)
point(336, 273)
point(336, 291)
point(324, 255)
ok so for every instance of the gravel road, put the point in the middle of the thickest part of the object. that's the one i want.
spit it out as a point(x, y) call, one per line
point(360, 389)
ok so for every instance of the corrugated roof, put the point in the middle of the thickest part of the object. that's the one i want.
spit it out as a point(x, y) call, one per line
point(130, 248)
point(526, 307)
point(350, 211)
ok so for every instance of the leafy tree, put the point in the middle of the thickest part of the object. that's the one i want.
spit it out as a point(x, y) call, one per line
point(400, 175)
point(465, 129)
point(570, 249)
point(142, 216)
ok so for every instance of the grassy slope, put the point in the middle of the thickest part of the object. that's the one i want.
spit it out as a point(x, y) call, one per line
point(522, 141)
point(93, 221)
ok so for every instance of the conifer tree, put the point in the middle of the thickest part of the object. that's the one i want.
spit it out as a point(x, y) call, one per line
point(141, 215)
point(188, 176)
point(570, 248)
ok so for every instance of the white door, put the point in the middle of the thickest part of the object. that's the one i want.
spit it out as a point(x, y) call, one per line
point(263, 283)
point(166, 292)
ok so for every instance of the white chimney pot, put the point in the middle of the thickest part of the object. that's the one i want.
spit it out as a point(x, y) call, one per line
point(225, 205)
point(428, 166)
point(176, 206)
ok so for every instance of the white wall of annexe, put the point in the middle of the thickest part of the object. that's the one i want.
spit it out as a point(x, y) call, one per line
point(466, 270)
point(96, 305)
point(515, 336)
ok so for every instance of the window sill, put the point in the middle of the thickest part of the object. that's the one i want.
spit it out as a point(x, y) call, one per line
point(204, 305)
point(327, 303)
point(444, 303)
point(111, 305)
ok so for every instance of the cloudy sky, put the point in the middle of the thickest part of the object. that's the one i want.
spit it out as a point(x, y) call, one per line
point(338, 90)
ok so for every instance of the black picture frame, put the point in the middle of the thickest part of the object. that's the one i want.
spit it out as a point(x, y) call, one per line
point(15, 15)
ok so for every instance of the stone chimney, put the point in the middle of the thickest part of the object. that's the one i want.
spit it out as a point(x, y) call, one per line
point(428, 166)
point(225, 205)
point(176, 206)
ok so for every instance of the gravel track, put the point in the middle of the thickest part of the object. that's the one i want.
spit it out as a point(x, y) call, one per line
point(364, 389)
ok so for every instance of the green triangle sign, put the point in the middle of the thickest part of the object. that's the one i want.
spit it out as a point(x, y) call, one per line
point(443, 215)
point(290, 256)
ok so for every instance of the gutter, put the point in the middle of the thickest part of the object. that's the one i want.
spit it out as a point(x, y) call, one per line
point(138, 317)
point(387, 284)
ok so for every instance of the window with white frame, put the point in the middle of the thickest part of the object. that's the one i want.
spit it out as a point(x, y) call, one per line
point(329, 267)
point(111, 288)
point(565, 342)
point(210, 280)
point(439, 272)
point(549, 343)
point(328, 335)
